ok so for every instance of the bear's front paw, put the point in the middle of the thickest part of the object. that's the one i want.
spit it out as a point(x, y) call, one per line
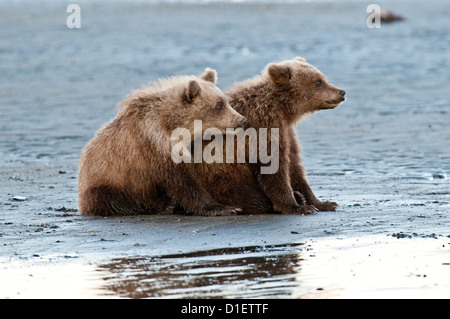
point(326, 206)
point(300, 210)
point(220, 210)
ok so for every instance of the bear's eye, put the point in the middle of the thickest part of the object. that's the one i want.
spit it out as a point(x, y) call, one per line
point(220, 105)
point(319, 82)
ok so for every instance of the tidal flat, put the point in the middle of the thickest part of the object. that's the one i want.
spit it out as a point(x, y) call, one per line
point(383, 155)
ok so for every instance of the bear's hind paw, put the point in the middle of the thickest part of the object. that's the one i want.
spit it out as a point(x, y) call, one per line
point(300, 210)
point(326, 206)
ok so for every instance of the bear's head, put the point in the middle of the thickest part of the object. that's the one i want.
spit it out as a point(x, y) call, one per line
point(203, 100)
point(305, 86)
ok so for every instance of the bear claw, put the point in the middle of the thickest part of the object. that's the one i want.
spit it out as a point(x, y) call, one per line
point(326, 206)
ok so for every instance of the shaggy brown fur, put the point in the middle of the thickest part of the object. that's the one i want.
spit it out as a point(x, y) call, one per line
point(278, 98)
point(127, 167)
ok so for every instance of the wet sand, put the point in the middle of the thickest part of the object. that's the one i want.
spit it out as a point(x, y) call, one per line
point(383, 155)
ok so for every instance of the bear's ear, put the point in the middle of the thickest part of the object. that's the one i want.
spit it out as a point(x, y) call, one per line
point(192, 91)
point(210, 75)
point(279, 73)
point(299, 58)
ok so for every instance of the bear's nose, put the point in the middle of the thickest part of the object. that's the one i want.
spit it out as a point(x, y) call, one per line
point(243, 120)
point(342, 93)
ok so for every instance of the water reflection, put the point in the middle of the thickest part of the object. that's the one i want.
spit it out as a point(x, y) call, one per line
point(243, 272)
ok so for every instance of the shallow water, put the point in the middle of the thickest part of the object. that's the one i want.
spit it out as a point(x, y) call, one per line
point(365, 267)
point(396, 114)
point(238, 272)
point(373, 267)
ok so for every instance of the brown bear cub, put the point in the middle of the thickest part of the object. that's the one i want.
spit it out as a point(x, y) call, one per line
point(278, 98)
point(127, 167)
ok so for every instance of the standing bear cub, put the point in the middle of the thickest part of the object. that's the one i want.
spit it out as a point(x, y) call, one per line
point(127, 167)
point(278, 98)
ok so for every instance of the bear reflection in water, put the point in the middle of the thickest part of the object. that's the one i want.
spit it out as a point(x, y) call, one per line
point(244, 272)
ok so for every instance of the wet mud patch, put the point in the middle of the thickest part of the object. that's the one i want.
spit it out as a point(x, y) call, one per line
point(238, 272)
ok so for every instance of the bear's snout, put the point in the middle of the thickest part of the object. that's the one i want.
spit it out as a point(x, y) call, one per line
point(342, 93)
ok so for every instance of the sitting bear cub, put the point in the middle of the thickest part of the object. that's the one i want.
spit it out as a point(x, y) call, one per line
point(127, 167)
point(278, 98)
